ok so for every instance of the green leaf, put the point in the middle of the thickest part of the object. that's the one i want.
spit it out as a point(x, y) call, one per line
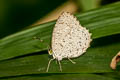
point(101, 22)
point(96, 60)
point(88, 4)
point(115, 75)
point(60, 76)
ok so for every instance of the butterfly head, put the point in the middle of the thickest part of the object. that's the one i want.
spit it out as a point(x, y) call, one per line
point(50, 51)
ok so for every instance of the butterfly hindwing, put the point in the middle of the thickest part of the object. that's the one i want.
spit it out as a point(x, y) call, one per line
point(69, 38)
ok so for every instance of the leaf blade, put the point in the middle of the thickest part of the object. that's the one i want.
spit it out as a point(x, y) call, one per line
point(61, 76)
point(22, 43)
point(95, 60)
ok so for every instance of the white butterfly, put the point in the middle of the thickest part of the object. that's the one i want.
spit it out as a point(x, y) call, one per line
point(69, 39)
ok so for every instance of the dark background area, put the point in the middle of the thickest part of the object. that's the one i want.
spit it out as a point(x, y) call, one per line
point(15, 15)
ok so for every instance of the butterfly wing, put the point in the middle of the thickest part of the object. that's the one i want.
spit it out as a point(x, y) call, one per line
point(69, 38)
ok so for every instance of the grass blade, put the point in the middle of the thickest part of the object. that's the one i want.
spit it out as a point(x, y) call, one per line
point(60, 76)
point(95, 60)
point(101, 22)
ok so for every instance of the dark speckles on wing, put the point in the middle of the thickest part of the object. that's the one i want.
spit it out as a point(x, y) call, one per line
point(69, 38)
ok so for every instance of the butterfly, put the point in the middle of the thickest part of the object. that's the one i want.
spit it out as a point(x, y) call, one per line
point(69, 39)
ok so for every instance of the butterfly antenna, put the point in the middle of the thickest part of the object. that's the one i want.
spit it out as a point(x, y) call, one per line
point(60, 66)
point(49, 64)
point(38, 38)
point(71, 61)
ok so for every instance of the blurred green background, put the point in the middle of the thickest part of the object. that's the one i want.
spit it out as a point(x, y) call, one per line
point(16, 15)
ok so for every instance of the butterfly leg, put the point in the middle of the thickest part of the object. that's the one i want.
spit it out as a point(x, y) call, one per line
point(60, 66)
point(49, 64)
point(71, 61)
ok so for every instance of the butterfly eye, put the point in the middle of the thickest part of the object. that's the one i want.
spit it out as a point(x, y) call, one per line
point(50, 51)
